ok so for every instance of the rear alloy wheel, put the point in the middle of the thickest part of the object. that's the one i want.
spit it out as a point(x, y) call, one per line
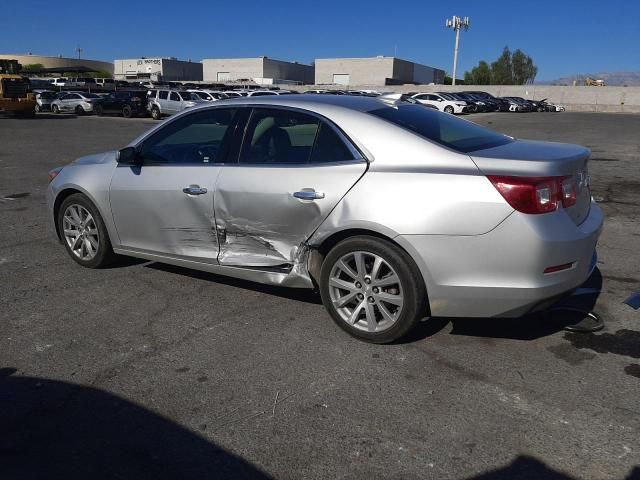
point(84, 233)
point(155, 113)
point(99, 110)
point(372, 289)
point(127, 112)
point(55, 109)
point(448, 109)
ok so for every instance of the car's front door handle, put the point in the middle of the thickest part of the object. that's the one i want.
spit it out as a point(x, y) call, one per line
point(308, 194)
point(194, 190)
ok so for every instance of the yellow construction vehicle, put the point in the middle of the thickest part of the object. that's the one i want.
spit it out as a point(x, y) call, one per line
point(591, 82)
point(14, 91)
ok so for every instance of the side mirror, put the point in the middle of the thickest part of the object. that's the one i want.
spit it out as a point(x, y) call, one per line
point(129, 156)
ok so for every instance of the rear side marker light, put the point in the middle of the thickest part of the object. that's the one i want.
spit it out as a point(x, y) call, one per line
point(535, 195)
point(558, 268)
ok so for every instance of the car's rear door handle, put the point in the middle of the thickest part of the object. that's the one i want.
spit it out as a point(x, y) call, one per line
point(308, 194)
point(194, 190)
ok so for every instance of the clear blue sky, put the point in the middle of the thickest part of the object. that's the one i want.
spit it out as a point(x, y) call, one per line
point(563, 36)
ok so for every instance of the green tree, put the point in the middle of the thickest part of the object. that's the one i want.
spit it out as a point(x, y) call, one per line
point(502, 69)
point(515, 68)
point(31, 67)
point(524, 70)
point(479, 75)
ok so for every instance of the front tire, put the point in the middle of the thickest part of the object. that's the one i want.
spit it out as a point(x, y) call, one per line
point(84, 233)
point(55, 109)
point(79, 110)
point(99, 109)
point(127, 112)
point(448, 109)
point(372, 289)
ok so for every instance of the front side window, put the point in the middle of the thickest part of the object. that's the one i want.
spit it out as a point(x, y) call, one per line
point(174, 97)
point(196, 139)
point(163, 94)
point(447, 130)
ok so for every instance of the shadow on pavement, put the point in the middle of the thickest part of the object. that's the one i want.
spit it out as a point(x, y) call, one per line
point(529, 468)
point(57, 430)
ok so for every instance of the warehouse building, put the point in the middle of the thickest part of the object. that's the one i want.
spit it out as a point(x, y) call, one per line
point(374, 71)
point(60, 64)
point(168, 69)
point(261, 70)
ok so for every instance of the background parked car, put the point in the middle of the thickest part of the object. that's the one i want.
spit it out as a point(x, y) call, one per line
point(60, 82)
point(106, 83)
point(164, 102)
point(128, 103)
point(208, 95)
point(503, 105)
point(472, 106)
point(441, 103)
point(518, 104)
point(44, 99)
point(78, 102)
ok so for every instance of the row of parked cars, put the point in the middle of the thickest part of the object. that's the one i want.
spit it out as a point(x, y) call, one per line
point(161, 102)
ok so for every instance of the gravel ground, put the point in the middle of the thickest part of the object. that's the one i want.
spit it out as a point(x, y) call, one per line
point(151, 371)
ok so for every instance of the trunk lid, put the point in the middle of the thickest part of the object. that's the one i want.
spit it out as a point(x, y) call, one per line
point(528, 158)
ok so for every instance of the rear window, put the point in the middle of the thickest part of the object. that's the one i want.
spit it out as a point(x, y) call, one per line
point(447, 130)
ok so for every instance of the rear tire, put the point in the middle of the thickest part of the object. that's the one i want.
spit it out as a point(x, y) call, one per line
point(127, 112)
point(155, 113)
point(84, 233)
point(372, 289)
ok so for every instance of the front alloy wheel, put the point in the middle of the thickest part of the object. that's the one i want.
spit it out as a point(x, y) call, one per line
point(83, 232)
point(80, 232)
point(372, 289)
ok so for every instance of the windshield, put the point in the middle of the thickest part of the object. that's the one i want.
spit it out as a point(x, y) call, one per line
point(90, 95)
point(447, 96)
point(48, 95)
point(447, 130)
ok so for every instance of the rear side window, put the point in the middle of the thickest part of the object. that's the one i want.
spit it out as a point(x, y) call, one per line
point(275, 136)
point(447, 130)
point(329, 147)
point(279, 136)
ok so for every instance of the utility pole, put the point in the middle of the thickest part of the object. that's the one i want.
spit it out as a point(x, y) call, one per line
point(456, 23)
point(79, 50)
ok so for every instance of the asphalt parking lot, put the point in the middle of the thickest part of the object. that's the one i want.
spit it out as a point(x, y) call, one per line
point(151, 371)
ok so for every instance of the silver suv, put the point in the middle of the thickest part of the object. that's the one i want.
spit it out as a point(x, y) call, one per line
point(162, 102)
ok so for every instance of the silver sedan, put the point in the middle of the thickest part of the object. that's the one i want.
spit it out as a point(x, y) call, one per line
point(393, 211)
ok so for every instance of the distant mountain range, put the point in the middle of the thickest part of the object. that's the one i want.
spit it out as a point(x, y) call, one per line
point(610, 78)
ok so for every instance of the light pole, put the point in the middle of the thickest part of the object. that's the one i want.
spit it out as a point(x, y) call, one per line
point(456, 23)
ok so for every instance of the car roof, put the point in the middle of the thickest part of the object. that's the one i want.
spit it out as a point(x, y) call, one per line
point(312, 102)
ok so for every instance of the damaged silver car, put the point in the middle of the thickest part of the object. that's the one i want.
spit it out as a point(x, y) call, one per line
point(393, 211)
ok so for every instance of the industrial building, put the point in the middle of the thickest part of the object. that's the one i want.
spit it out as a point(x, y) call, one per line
point(60, 64)
point(168, 69)
point(261, 70)
point(374, 71)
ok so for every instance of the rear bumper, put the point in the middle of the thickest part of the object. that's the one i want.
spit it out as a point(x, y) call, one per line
point(501, 273)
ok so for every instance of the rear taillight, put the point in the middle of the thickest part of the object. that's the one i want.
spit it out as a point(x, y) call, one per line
point(536, 194)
